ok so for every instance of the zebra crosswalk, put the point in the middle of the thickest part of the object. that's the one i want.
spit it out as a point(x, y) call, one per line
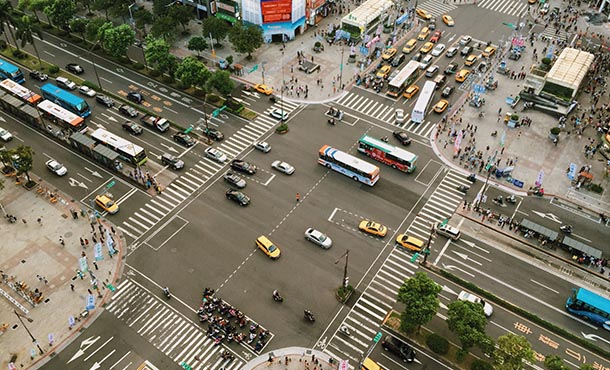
point(379, 296)
point(200, 173)
point(383, 112)
point(167, 330)
point(437, 7)
point(551, 33)
point(511, 7)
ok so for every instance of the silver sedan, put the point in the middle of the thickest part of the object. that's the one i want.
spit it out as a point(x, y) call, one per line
point(318, 238)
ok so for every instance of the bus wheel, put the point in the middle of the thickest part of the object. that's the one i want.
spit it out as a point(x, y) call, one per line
point(355, 178)
point(394, 166)
point(328, 166)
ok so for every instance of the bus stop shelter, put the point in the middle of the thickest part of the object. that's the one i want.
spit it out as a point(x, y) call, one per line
point(538, 229)
point(581, 247)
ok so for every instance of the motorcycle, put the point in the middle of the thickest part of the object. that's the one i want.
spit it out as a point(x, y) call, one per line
point(226, 355)
point(499, 201)
point(331, 121)
point(536, 191)
point(512, 199)
point(472, 178)
point(277, 297)
point(566, 229)
point(343, 329)
point(166, 292)
point(309, 316)
point(481, 114)
point(463, 188)
point(385, 139)
point(12, 219)
point(273, 99)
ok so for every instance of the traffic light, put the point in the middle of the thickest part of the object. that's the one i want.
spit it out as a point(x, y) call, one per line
point(377, 337)
point(346, 282)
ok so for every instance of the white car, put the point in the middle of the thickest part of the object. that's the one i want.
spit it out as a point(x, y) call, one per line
point(85, 90)
point(215, 155)
point(438, 50)
point(283, 167)
point(318, 238)
point(465, 40)
point(279, 114)
point(425, 63)
point(465, 296)
point(56, 167)
point(5, 135)
point(263, 146)
point(400, 116)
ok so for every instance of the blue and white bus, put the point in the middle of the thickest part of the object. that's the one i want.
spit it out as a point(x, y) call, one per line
point(11, 71)
point(71, 102)
point(590, 306)
point(348, 165)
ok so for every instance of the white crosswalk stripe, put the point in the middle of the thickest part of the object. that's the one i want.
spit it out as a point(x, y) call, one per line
point(437, 7)
point(199, 173)
point(551, 33)
point(510, 7)
point(368, 312)
point(167, 330)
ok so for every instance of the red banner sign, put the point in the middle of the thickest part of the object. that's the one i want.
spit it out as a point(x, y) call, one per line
point(276, 11)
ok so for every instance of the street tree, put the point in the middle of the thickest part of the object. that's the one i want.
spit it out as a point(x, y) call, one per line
point(157, 54)
point(87, 4)
point(143, 17)
point(117, 39)
point(79, 25)
point(93, 27)
point(555, 363)
point(23, 158)
point(221, 82)
point(198, 44)
point(7, 19)
point(103, 5)
point(246, 38)
point(511, 352)
point(587, 367)
point(216, 27)
point(467, 320)
point(182, 15)
point(120, 8)
point(192, 72)
point(164, 27)
point(26, 30)
point(60, 12)
point(419, 294)
point(161, 7)
point(34, 6)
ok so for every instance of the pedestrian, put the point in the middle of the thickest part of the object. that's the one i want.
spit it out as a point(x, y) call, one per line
point(24, 221)
point(112, 229)
point(92, 227)
point(93, 238)
point(46, 282)
point(61, 241)
point(82, 242)
point(101, 229)
point(89, 290)
point(72, 287)
point(95, 265)
point(86, 242)
point(39, 220)
point(298, 197)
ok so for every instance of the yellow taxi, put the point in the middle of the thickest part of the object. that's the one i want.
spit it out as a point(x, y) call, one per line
point(423, 34)
point(532, 1)
point(425, 49)
point(448, 20)
point(470, 60)
point(489, 51)
point(409, 242)
point(105, 202)
point(422, 13)
point(373, 228)
point(462, 75)
point(411, 91)
point(263, 89)
point(266, 246)
point(388, 54)
point(409, 46)
point(384, 71)
point(441, 106)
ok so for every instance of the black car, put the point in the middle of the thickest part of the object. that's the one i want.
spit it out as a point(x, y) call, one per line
point(132, 128)
point(238, 197)
point(451, 69)
point(170, 160)
point(447, 91)
point(243, 166)
point(184, 139)
point(234, 180)
point(402, 137)
point(135, 97)
point(417, 57)
point(401, 349)
point(213, 133)
point(398, 60)
point(37, 75)
point(74, 68)
point(128, 110)
point(103, 99)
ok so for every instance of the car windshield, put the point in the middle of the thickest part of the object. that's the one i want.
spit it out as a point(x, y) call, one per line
point(321, 237)
point(271, 248)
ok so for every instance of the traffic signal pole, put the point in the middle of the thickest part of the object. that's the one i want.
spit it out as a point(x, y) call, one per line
point(370, 349)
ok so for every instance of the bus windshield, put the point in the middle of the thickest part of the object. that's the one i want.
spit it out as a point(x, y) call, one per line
point(423, 102)
point(389, 154)
point(11, 71)
point(403, 79)
point(348, 165)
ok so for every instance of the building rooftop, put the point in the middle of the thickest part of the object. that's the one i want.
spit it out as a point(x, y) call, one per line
point(570, 68)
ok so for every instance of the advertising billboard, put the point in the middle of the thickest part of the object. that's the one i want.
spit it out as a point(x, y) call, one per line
point(276, 10)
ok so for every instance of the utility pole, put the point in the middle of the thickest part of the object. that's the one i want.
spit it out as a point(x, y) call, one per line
point(99, 82)
point(341, 69)
point(426, 250)
point(345, 282)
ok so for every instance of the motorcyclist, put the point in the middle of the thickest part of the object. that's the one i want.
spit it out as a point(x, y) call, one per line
point(166, 291)
point(276, 294)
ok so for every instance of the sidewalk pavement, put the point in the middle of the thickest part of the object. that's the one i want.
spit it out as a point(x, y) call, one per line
point(40, 263)
point(293, 358)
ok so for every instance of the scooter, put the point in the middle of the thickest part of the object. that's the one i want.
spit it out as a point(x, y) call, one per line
point(536, 191)
point(499, 201)
point(343, 329)
point(277, 297)
point(12, 219)
point(226, 355)
point(385, 139)
point(331, 121)
point(309, 316)
point(463, 188)
point(566, 229)
point(481, 114)
point(472, 178)
point(166, 292)
point(512, 199)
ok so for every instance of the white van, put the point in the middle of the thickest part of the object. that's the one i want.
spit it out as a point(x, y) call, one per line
point(64, 83)
point(450, 232)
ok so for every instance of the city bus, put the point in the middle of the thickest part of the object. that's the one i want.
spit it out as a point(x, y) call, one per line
point(71, 102)
point(589, 306)
point(11, 71)
point(394, 157)
point(403, 79)
point(128, 151)
point(62, 117)
point(423, 102)
point(20, 92)
point(348, 165)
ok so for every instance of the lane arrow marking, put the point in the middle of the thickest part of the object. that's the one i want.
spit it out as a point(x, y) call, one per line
point(170, 148)
point(87, 343)
point(94, 173)
point(75, 182)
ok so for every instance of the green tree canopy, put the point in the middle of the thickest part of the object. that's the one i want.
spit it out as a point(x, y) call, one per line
point(192, 72)
point(103, 5)
point(157, 54)
point(79, 25)
point(26, 29)
point(117, 39)
point(555, 363)
point(467, 320)
point(221, 82)
point(511, 350)
point(34, 6)
point(246, 38)
point(23, 159)
point(7, 19)
point(143, 17)
point(164, 27)
point(198, 44)
point(60, 12)
point(216, 27)
point(181, 14)
point(419, 294)
point(161, 7)
point(93, 27)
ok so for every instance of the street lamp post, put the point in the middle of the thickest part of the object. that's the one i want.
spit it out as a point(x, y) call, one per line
point(345, 277)
point(341, 68)
point(28, 330)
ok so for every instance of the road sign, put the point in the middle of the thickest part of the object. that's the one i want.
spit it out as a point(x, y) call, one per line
point(414, 258)
point(185, 366)
point(253, 68)
point(510, 25)
point(445, 222)
point(377, 337)
point(188, 130)
point(110, 184)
